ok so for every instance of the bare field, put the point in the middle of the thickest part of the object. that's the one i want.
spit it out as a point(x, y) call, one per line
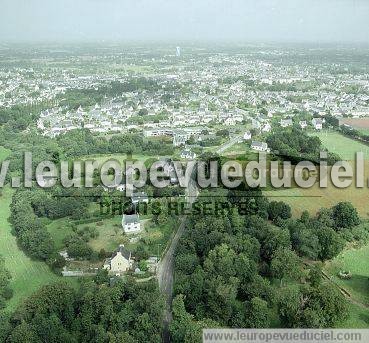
point(314, 198)
point(356, 123)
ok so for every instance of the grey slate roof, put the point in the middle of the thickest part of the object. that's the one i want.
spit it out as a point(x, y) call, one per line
point(136, 197)
point(130, 218)
point(125, 253)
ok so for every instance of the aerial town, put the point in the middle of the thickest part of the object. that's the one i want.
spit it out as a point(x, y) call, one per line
point(188, 103)
point(192, 89)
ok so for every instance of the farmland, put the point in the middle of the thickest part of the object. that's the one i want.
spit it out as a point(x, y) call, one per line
point(353, 259)
point(341, 145)
point(360, 124)
point(314, 198)
point(27, 275)
point(356, 261)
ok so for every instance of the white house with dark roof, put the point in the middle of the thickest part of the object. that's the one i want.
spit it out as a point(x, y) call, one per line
point(259, 146)
point(247, 135)
point(317, 123)
point(286, 122)
point(188, 154)
point(303, 124)
point(131, 223)
point(139, 197)
point(266, 128)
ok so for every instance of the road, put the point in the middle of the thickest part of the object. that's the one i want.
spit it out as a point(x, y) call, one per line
point(165, 270)
point(229, 144)
point(165, 277)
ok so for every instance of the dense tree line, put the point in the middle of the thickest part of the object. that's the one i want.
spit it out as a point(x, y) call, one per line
point(5, 291)
point(96, 312)
point(295, 144)
point(19, 117)
point(353, 133)
point(237, 269)
point(75, 98)
point(27, 210)
point(82, 142)
point(323, 237)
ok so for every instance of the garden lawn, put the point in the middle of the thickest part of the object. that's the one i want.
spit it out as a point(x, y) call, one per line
point(110, 234)
point(154, 237)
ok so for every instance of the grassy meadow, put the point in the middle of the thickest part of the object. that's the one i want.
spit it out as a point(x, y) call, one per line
point(343, 146)
point(4, 153)
point(355, 260)
point(27, 275)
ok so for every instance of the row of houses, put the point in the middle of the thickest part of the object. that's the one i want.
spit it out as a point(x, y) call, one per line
point(317, 123)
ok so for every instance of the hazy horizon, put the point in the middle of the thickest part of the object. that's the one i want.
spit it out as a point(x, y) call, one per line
point(279, 21)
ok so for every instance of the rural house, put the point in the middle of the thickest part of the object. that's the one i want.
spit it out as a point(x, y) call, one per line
point(259, 146)
point(131, 223)
point(120, 261)
point(317, 123)
point(140, 197)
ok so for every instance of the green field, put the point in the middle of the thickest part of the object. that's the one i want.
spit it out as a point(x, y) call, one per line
point(358, 318)
point(110, 234)
point(341, 145)
point(314, 198)
point(357, 262)
point(364, 131)
point(27, 275)
point(4, 153)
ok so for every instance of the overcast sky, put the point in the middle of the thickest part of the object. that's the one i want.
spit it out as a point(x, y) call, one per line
point(172, 20)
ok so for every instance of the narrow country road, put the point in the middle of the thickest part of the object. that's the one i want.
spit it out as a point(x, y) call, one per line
point(165, 270)
point(165, 275)
point(227, 145)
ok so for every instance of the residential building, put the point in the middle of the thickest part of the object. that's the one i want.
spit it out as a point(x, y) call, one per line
point(131, 223)
point(303, 124)
point(247, 135)
point(119, 262)
point(188, 155)
point(259, 146)
point(286, 122)
point(139, 197)
point(317, 123)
